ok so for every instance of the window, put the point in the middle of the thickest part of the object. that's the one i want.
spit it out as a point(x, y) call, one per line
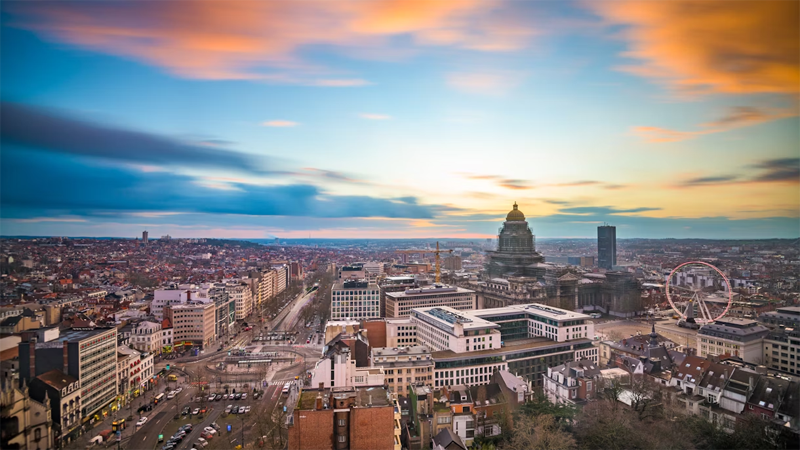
point(341, 422)
point(342, 438)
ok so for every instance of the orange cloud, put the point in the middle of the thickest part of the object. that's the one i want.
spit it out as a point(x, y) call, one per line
point(741, 116)
point(263, 39)
point(694, 47)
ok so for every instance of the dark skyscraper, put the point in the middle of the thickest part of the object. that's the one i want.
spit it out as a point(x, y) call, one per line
point(607, 246)
point(144, 237)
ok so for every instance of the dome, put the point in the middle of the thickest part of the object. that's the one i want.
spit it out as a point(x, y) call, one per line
point(515, 215)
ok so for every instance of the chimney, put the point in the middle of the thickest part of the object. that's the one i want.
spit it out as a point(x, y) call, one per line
point(321, 387)
point(188, 295)
point(66, 357)
point(319, 402)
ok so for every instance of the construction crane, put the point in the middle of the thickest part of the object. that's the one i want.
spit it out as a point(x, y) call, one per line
point(435, 252)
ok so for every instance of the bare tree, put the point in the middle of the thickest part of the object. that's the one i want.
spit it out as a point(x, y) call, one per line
point(540, 433)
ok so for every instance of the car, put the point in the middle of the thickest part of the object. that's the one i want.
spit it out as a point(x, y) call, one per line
point(238, 396)
point(186, 410)
point(171, 395)
point(205, 435)
point(247, 409)
point(178, 438)
point(210, 430)
point(203, 410)
point(179, 390)
point(228, 409)
point(211, 398)
point(168, 446)
point(141, 421)
point(241, 410)
point(218, 397)
point(196, 411)
point(179, 433)
point(187, 428)
point(244, 396)
point(215, 426)
point(224, 396)
point(201, 442)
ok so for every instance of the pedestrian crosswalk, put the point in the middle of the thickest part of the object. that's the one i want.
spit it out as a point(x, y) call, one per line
point(279, 382)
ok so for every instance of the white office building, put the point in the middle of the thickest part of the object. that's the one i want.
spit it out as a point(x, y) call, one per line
point(355, 299)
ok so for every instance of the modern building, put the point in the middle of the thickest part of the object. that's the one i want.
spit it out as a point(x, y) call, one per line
point(403, 366)
point(345, 362)
point(607, 247)
point(194, 323)
point(469, 346)
point(89, 355)
point(145, 237)
point(787, 316)
point(400, 303)
point(355, 299)
point(242, 297)
point(400, 333)
point(345, 418)
point(353, 271)
point(782, 350)
point(736, 337)
point(394, 284)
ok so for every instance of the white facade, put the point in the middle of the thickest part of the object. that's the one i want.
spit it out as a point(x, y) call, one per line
point(736, 337)
point(195, 323)
point(345, 373)
point(355, 300)
point(146, 336)
point(243, 299)
point(400, 304)
point(443, 328)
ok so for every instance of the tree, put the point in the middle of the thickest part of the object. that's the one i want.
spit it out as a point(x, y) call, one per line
point(645, 395)
point(540, 432)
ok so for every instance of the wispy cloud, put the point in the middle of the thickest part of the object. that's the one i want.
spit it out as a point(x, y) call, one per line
point(779, 170)
point(41, 129)
point(372, 116)
point(609, 210)
point(279, 123)
point(49, 219)
point(262, 40)
point(485, 82)
point(577, 183)
point(740, 116)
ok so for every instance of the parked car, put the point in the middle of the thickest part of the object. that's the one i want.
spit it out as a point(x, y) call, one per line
point(141, 421)
point(201, 442)
point(179, 390)
point(171, 395)
point(187, 428)
point(238, 396)
point(244, 396)
point(196, 411)
point(224, 396)
point(218, 397)
point(247, 409)
point(210, 430)
point(241, 410)
point(186, 410)
point(228, 409)
point(211, 397)
point(205, 435)
point(215, 426)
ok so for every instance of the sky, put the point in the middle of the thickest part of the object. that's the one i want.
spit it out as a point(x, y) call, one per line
point(400, 119)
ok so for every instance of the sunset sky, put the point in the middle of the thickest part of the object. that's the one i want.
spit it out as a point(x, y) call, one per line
point(381, 119)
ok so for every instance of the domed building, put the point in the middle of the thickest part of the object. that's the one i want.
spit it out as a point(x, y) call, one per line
point(516, 254)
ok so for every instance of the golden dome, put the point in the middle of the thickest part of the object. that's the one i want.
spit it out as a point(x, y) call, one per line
point(515, 215)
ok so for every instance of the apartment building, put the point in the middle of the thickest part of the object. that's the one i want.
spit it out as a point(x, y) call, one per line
point(354, 299)
point(242, 297)
point(403, 366)
point(63, 392)
point(146, 336)
point(194, 323)
point(401, 332)
point(89, 355)
point(782, 350)
point(400, 303)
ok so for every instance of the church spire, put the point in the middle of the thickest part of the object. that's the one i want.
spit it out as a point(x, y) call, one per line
point(653, 336)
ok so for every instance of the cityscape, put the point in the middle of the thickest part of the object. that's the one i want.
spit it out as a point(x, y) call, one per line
point(400, 225)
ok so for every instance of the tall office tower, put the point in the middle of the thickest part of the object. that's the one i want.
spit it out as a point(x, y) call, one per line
point(607, 246)
point(144, 237)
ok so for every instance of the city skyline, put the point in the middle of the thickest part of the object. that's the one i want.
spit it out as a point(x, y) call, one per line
point(400, 119)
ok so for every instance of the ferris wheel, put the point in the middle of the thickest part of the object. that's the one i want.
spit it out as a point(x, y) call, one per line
point(693, 290)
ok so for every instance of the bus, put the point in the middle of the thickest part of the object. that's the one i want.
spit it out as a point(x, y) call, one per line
point(285, 389)
point(159, 398)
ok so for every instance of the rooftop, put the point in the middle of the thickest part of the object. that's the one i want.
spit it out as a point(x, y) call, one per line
point(73, 336)
point(57, 379)
point(434, 289)
point(531, 308)
point(512, 347)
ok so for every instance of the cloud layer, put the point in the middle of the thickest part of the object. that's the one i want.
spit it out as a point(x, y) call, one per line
point(700, 47)
point(31, 127)
point(263, 39)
